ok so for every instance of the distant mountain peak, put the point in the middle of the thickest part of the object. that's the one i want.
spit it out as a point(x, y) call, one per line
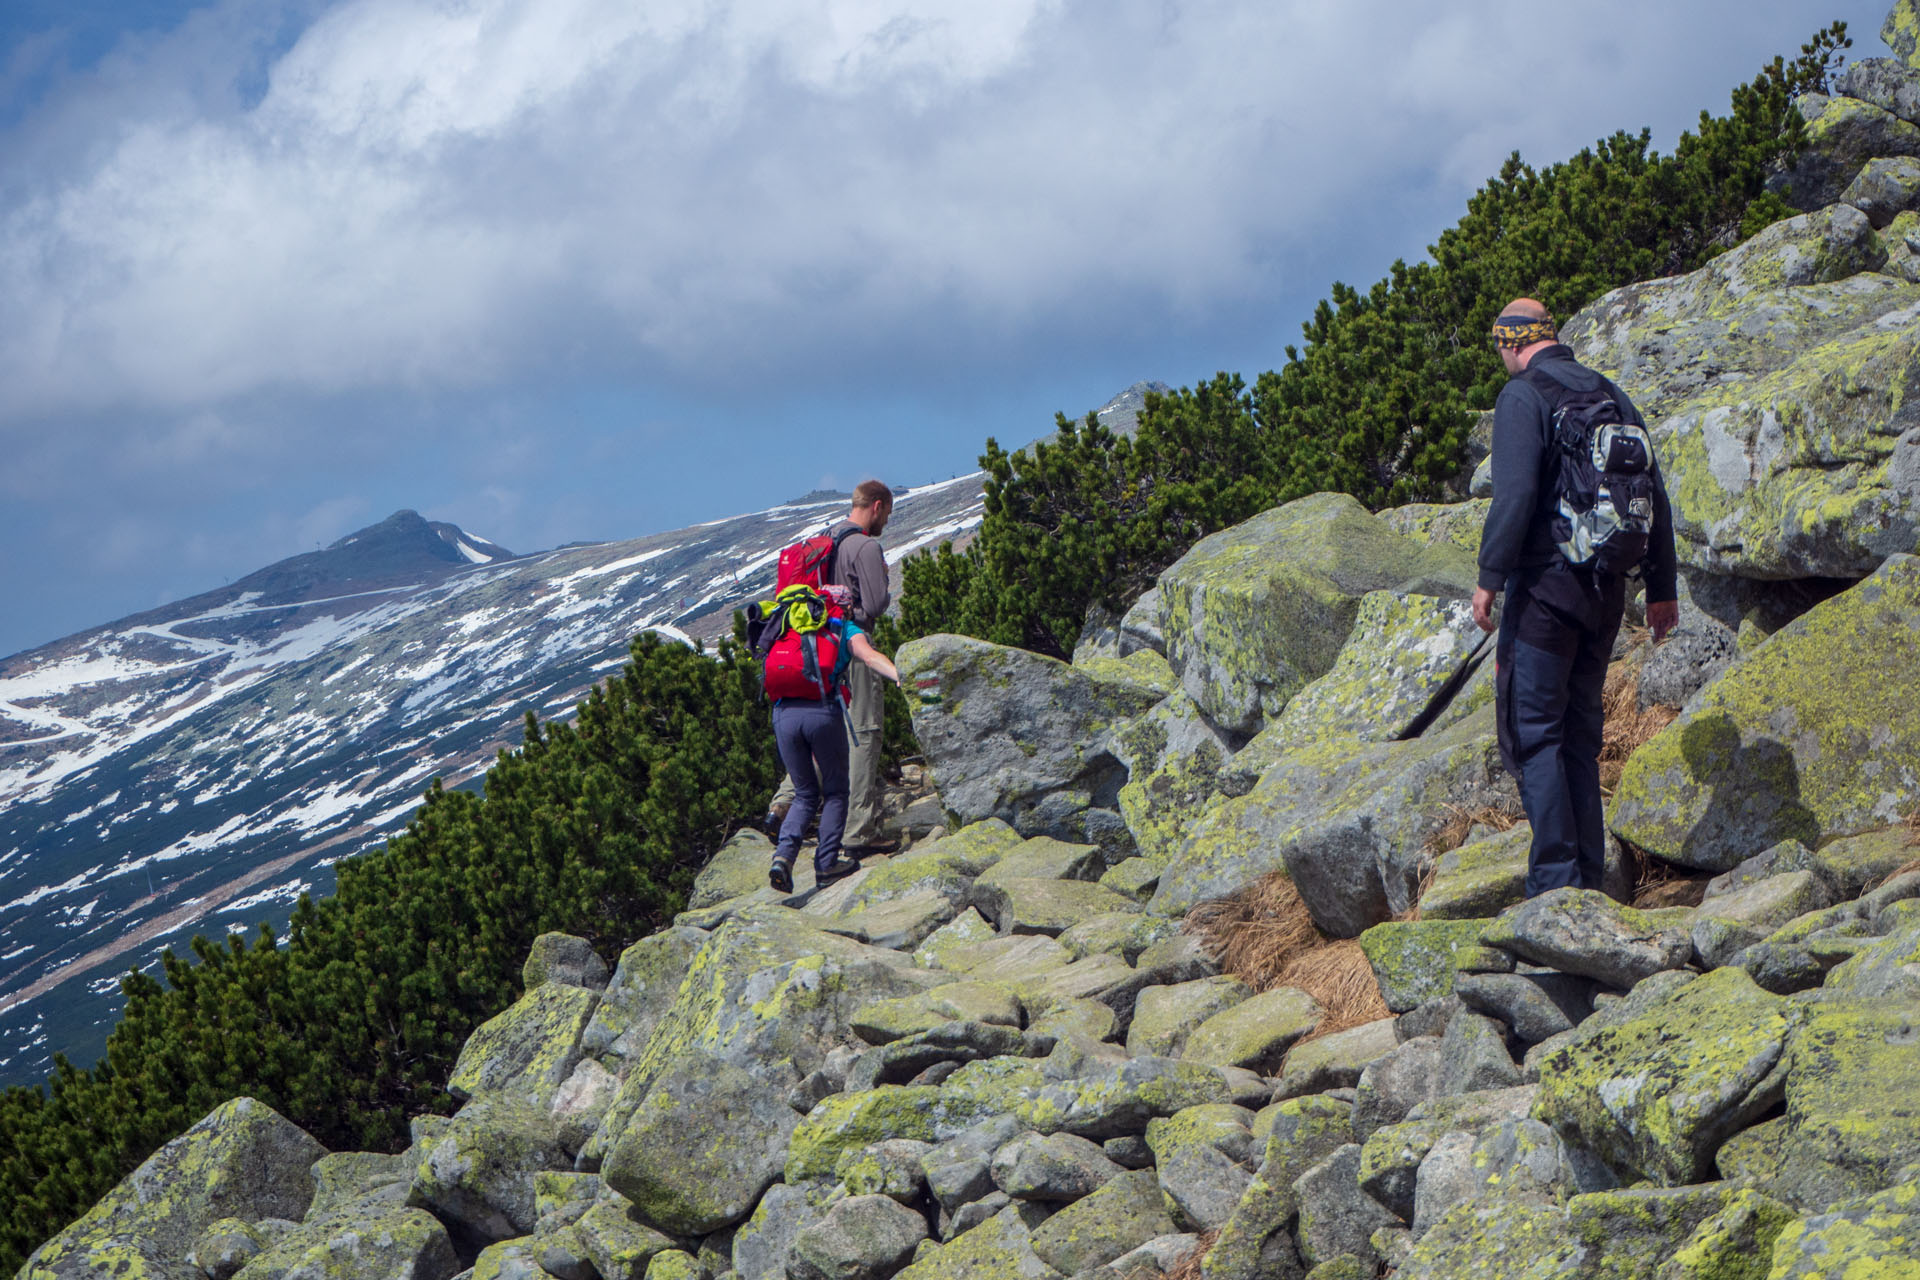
point(406, 547)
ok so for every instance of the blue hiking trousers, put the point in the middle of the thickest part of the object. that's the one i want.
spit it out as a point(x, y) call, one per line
point(813, 745)
point(1557, 629)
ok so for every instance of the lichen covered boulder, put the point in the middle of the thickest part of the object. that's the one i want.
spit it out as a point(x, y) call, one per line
point(242, 1160)
point(1017, 736)
point(1347, 821)
point(703, 1146)
point(1853, 1102)
point(1814, 735)
point(479, 1171)
point(1121, 1216)
point(1254, 613)
point(1654, 1095)
point(1174, 757)
point(1841, 137)
point(530, 1048)
point(643, 987)
point(1403, 652)
point(1413, 960)
point(371, 1241)
point(1583, 931)
point(1255, 1034)
point(1868, 1238)
point(770, 993)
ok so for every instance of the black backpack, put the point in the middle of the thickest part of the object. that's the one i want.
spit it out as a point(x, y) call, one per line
point(1604, 485)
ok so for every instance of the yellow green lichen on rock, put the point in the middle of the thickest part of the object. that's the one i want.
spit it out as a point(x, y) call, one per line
point(1853, 1101)
point(1001, 1247)
point(1456, 523)
point(1876, 1237)
point(1120, 1216)
point(883, 1021)
point(697, 1154)
point(850, 1121)
point(1413, 959)
point(1901, 31)
point(1656, 1094)
point(1255, 612)
point(1631, 1232)
point(1348, 822)
point(242, 1160)
point(1734, 1244)
point(1141, 669)
point(530, 1048)
point(768, 991)
point(1813, 735)
point(1174, 757)
point(1256, 1033)
point(619, 1245)
point(1403, 650)
point(1498, 1240)
point(1480, 878)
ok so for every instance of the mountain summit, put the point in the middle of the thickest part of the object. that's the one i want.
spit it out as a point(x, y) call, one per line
point(403, 548)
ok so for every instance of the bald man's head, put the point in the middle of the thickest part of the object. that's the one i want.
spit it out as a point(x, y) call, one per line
point(1524, 327)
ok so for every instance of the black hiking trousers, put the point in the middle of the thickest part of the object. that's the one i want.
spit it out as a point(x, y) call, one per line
point(1557, 629)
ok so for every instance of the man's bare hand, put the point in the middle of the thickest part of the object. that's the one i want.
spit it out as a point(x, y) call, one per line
point(1483, 607)
point(1662, 617)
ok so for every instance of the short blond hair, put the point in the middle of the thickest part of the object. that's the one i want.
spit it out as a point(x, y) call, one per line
point(871, 492)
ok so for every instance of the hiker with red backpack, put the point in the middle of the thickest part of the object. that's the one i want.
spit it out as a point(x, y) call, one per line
point(809, 642)
point(849, 554)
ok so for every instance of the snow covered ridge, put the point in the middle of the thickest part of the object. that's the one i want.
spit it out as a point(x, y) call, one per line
point(197, 768)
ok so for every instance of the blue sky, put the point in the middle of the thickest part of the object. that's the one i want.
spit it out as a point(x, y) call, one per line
point(576, 269)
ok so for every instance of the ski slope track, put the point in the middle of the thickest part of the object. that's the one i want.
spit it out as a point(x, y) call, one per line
point(197, 768)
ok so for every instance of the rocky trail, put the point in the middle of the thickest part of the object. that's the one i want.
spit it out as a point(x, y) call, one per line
point(1208, 954)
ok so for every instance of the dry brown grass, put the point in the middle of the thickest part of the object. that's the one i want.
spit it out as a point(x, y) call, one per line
point(1340, 979)
point(1628, 728)
point(1188, 1268)
point(1913, 829)
point(1462, 819)
point(1264, 936)
point(1256, 933)
point(1661, 884)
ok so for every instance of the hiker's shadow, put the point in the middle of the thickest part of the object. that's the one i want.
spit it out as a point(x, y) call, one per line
point(1753, 793)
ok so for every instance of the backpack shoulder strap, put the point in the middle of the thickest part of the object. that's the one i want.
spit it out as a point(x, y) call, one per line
point(833, 557)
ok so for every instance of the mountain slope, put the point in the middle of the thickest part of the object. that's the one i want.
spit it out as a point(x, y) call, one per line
point(202, 765)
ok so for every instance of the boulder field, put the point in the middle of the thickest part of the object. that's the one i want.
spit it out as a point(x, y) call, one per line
point(1012, 1051)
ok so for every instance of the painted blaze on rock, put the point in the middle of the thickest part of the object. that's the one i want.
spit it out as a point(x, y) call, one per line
point(1815, 735)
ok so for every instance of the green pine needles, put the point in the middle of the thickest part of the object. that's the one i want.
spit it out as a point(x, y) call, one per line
point(595, 827)
point(1380, 399)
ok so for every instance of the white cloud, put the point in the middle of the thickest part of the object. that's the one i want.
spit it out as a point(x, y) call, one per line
point(442, 194)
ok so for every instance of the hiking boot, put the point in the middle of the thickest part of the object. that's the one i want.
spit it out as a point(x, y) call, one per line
point(781, 877)
point(839, 869)
point(869, 850)
point(776, 816)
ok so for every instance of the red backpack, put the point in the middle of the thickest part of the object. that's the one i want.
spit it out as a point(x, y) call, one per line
point(810, 561)
point(800, 649)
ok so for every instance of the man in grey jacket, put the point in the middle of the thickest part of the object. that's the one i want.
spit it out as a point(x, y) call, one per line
point(860, 565)
point(1558, 626)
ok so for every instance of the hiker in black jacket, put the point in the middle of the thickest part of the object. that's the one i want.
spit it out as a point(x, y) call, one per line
point(1560, 620)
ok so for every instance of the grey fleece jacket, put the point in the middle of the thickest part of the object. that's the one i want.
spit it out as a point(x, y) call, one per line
point(1519, 529)
point(862, 566)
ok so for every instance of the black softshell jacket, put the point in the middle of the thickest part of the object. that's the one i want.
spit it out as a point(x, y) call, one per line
point(1519, 529)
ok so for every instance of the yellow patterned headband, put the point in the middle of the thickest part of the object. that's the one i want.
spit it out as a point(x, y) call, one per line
point(1517, 332)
